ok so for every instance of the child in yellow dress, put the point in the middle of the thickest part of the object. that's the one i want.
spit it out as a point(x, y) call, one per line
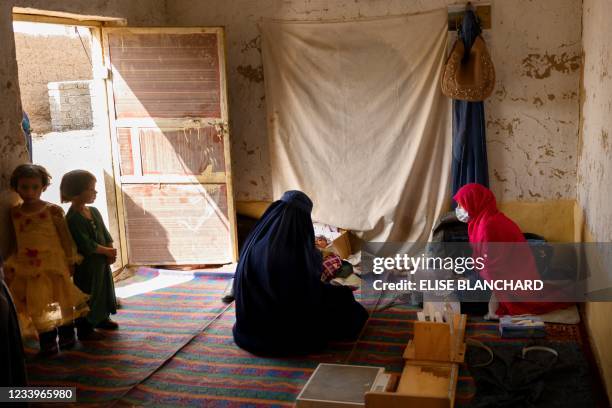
point(38, 273)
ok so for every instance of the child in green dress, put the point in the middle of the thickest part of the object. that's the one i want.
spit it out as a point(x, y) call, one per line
point(93, 276)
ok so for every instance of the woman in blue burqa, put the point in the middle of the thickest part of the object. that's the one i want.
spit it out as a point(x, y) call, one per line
point(282, 307)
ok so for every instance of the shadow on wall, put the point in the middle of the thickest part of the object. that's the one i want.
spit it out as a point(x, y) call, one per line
point(169, 76)
point(148, 240)
point(176, 223)
point(173, 79)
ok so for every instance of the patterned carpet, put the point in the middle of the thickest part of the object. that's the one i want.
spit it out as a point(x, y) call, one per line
point(211, 370)
point(152, 327)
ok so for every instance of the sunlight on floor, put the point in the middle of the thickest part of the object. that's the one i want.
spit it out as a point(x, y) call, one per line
point(163, 280)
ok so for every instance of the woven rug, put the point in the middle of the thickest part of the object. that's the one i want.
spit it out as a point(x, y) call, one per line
point(129, 367)
point(213, 371)
point(152, 327)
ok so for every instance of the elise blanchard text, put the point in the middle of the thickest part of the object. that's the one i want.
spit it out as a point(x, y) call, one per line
point(460, 284)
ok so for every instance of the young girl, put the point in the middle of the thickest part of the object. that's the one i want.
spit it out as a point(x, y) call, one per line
point(93, 276)
point(38, 271)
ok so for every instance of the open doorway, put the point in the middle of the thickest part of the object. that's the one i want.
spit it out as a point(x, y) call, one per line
point(64, 115)
point(145, 110)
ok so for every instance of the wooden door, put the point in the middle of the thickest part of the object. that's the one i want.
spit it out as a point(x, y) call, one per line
point(168, 102)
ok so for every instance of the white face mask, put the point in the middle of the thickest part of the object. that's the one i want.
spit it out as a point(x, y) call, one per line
point(461, 214)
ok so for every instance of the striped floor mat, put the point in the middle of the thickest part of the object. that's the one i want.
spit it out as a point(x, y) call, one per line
point(211, 370)
point(152, 327)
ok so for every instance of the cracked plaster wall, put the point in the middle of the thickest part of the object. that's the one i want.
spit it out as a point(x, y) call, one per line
point(532, 118)
point(594, 188)
point(595, 150)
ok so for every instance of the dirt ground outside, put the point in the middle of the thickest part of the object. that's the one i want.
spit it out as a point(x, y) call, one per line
point(60, 152)
point(48, 53)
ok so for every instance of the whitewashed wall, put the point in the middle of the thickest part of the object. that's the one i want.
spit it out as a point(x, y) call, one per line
point(532, 119)
point(594, 187)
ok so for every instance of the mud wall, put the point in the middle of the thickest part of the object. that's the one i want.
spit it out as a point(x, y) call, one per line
point(532, 118)
point(594, 189)
point(48, 58)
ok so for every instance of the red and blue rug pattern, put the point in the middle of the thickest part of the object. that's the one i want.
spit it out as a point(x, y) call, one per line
point(152, 327)
point(137, 364)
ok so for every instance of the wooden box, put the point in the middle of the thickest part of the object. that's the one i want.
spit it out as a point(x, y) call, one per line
point(434, 341)
point(429, 378)
point(421, 385)
point(341, 386)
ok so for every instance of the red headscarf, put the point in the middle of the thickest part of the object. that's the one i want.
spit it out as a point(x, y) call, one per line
point(514, 261)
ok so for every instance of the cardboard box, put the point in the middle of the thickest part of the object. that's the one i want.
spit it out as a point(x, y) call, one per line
point(342, 245)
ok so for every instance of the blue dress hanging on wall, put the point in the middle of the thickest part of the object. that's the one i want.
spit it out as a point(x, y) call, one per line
point(469, 163)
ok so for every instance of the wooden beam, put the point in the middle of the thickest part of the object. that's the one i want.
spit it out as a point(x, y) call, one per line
point(35, 18)
point(30, 14)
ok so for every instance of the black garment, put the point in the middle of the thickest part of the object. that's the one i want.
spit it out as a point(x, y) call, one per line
point(48, 342)
point(450, 239)
point(282, 307)
point(12, 357)
point(450, 229)
point(538, 380)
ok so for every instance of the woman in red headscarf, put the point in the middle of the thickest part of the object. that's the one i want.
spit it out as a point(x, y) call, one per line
point(512, 259)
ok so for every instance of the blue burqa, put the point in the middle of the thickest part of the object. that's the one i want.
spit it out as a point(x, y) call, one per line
point(282, 307)
point(469, 142)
